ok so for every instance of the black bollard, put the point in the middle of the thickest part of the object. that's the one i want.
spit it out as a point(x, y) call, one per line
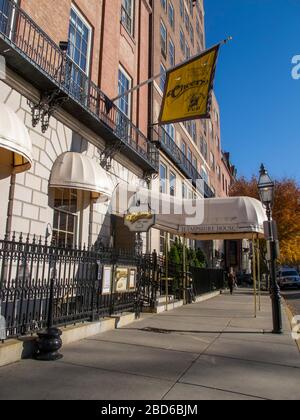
point(49, 342)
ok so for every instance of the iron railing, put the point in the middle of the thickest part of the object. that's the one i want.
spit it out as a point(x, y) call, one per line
point(32, 43)
point(32, 270)
point(27, 269)
point(168, 145)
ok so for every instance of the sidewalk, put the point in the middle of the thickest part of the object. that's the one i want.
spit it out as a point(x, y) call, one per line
point(212, 350)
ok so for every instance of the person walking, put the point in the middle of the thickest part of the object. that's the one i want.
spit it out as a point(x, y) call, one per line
point(231, 280)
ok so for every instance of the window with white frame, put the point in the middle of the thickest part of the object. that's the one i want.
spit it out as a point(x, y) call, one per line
point(80, 36)
point(171, 14)
point(65, 219)
point(127, 15)
point(163, 77)
point(171, 53)
point(172, 184)
point(163, 179)
point(163, 39)
point(124, 84)
point(182, 41)
point(164, 4)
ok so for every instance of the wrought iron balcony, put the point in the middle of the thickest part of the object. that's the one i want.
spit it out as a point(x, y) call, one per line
point(32, 54)
point(168, 146)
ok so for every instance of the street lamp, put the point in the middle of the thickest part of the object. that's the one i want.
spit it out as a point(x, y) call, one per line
point(266, 189)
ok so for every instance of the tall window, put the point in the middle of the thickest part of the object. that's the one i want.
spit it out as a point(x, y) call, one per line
point(163, 179)
point(181, 8)
point(171, 53)
point(124, 84)
point(164, 4)
point(65, 217)
point(182, 41)
point(80, 34)
point(163, 77)
point(124, 104)
point(127, 15)
point(171, 14)
point(172, 184)
point(5, 15)
point(163, 39)
point(79, 49)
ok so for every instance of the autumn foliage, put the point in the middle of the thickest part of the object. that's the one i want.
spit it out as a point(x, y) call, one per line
point(286, 212)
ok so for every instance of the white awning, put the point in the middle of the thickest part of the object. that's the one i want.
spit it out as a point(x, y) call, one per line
point(201, 219)
point(15, 143)
point(75, 171)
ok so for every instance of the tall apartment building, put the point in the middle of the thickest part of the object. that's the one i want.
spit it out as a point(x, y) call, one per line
point(188, 151)
point(64, 59)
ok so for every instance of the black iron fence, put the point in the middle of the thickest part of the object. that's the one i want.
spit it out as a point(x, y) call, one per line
point(32, 270)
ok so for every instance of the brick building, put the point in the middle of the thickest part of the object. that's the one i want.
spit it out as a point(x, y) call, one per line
point(62, 64)
point(188, 151)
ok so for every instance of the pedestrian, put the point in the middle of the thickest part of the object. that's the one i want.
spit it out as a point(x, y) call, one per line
point(231, 280)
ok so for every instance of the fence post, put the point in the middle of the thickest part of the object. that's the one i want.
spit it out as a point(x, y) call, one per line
point(49, 341)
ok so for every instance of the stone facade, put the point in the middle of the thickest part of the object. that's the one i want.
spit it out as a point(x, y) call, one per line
point(32, 210)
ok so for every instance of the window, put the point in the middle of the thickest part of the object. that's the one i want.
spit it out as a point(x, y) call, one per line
point(183, 148)
point(194, 131)
point(124, 104)
point(192, 34)
point(80, 34)
point(181, 9)
point(203, 148)
point(65, 217)
point(163, 179)
point(171, 14)
point(219, 173)
point(163, 77)
point(127, 15)
point(187, 20)
point(184, 191)
point(182, 41)
point(162, 242)
point(124, 84)
point(172, 184)
point(164, 4)
point(170, 129)
point(204, 175)
point(171, 53)
point(79, 48)
point(212, 161)
point(187, 51)
point(5, 15)
point(163, 39)
point(197, 26)
point(189, 156)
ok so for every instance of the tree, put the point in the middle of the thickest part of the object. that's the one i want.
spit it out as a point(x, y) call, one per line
point(286, 212)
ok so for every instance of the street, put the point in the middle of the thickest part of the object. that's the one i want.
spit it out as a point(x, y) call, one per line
point(206, 351)
point(293, 299)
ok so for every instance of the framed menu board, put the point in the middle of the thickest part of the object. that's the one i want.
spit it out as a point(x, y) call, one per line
point(107, 279)
point(121, 279)
point(132, 278)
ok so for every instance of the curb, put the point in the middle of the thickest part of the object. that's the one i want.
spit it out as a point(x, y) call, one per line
point(291, 316)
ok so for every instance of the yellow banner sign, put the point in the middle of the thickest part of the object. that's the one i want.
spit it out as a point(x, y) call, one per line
point(188, 89)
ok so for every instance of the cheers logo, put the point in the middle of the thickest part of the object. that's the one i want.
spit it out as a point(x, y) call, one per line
point(296, 67)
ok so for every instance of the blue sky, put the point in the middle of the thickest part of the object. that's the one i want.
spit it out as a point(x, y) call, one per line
point(259, 100)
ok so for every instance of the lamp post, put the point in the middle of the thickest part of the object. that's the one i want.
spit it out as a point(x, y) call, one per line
point(266, 189)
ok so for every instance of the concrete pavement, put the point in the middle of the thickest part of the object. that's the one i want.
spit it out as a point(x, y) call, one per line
point(213, 350)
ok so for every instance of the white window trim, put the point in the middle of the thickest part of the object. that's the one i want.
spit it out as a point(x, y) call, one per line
point(80, 15)
point(128, 77)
